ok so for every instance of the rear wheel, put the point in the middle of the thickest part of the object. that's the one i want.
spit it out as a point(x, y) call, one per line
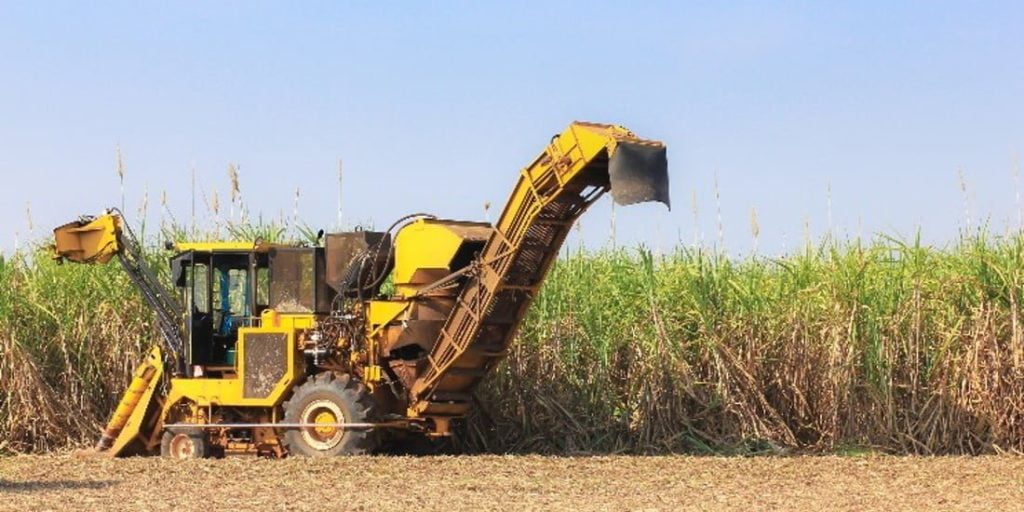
point(184, 445)
point(327, 400)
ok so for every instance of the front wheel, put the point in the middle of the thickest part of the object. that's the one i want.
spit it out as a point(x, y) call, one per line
point(184, 445)
point(328, 400)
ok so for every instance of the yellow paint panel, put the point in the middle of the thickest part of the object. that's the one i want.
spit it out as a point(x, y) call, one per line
point(132, 428)
point(90, 241)
point(425, 248)
point(382, 312)
point(231, 391)
point(220, 247)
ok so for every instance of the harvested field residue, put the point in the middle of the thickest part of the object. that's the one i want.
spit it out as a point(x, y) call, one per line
point(514, 483)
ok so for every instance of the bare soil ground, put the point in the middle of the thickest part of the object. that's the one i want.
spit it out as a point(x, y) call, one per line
point(514, 483)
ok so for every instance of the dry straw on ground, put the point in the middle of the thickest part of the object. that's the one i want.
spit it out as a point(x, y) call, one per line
point(514, 483)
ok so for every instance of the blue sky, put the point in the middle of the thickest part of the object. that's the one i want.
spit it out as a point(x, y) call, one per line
point(435, 107)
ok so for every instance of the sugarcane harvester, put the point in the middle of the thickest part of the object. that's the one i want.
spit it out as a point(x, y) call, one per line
point(284, 349)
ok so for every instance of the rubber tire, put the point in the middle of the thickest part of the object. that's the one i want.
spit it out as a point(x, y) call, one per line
point(355, 402)
point(198, 440)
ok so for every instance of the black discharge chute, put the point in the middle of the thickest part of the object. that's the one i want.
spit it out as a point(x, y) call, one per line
point(639, 173)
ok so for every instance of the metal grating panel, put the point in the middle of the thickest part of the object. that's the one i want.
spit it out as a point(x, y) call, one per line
point(551, 193)
point(292, 286)
point(265, 363)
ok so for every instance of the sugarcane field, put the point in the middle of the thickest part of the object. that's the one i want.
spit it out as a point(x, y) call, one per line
point(535, 256)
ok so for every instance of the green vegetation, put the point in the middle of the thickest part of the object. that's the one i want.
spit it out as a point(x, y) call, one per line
point(890, 346)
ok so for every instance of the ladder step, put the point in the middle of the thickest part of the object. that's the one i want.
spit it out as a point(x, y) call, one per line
point(552, 222)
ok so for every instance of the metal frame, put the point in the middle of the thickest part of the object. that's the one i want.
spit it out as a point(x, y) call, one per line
point(550, 194)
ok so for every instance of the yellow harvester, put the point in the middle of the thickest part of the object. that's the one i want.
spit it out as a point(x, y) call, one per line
point(275, 349)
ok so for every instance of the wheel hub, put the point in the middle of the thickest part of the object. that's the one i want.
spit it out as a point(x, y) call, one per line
point(325, 421)
point(326, 415)
point(183, 447)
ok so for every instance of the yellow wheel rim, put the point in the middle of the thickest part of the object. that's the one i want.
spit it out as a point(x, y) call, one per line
point(322, 416)
point(327, 419)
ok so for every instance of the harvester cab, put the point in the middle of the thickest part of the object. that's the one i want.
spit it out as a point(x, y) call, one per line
point(330, 350)
point(228, 286)
point(222, 287)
